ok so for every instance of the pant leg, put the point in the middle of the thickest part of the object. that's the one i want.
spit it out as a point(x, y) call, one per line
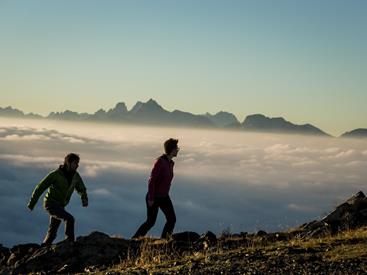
point(152, 212)
point(58, 212)
point(168, 210)
point(52, 230)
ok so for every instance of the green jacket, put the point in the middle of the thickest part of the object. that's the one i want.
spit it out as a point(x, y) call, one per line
point(59, 189)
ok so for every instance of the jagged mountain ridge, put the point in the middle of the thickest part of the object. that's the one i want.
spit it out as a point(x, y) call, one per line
point(152, 113)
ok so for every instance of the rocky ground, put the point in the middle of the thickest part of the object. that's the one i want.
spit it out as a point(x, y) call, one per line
point(337, 244)
point(342, 255)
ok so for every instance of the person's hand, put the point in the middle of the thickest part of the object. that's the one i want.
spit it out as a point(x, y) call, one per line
point(29, 206)
point(84, 200)
point(85, 203)
point(150, 203)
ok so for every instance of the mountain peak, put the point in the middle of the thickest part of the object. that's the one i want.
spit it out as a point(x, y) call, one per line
point(121, 107)
point(356, 133)
point(259, 122)
point(151, 101)
point(150, 106)
point(223, 119)
point(136, 107)
point(153, 104)
point(118, 112)
point(10, 111)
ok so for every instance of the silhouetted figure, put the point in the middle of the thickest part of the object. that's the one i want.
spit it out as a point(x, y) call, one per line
point(158, 188)
point(60, 184)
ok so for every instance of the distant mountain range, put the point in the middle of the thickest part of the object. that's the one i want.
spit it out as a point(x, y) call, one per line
point(152, 113)
point(357, 133)
point(10, 112)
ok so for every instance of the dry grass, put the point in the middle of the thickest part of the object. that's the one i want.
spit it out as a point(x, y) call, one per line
point(152, 252)
point(157, 255)
point(344, 236)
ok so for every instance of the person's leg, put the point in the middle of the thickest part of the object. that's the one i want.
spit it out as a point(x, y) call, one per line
point(69, 226)
point(152, 212)
point(52, 231)
point(168, 210)
point(58, 212)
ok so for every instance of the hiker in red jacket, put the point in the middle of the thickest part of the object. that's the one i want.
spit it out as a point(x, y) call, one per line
point(158, 188)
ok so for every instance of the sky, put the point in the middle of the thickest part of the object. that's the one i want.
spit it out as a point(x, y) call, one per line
point(303, 60)
point(223, 181)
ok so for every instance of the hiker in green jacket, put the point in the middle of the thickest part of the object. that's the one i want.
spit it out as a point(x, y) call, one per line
point(60, 184)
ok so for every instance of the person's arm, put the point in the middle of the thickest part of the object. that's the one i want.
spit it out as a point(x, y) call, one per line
point(152, 180)
point(82, 190)
point(40, 188)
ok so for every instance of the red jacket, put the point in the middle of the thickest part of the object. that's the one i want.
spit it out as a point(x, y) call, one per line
point(160, 178)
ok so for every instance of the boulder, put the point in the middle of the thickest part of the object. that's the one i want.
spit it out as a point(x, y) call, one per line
point(20, 251)
point(351, 214)
point(48, 258)
point(99, 249)
point(4, 254)
point(187, 237)
point(184, 241)
point(96, 249)
point(261, 233)
point(278, 236)
point(206, 240)
point(348, 215)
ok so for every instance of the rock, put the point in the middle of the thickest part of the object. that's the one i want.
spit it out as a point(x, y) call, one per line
point(49, 258)
point(278, 236)
point(95, 236)
point(96, 249)
point(206, 240)
point(351, 214)
point(184, 241)
point(4, 254)
point(355, 198)
point(363, 213)
point(243, 234)
point(261, 233)
point(65, 269)
point(348, 215)
point(20, 251)
point(209, 236)
point(187, 237)
point(312, 229)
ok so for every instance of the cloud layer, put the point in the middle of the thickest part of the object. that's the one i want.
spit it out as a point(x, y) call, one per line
point(223, 180)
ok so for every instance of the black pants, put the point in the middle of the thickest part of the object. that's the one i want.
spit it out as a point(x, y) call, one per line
point(165, 204)
point(57, 214)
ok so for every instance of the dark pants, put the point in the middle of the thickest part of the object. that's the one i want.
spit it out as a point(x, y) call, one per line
point(57, 214)
point(165, 204)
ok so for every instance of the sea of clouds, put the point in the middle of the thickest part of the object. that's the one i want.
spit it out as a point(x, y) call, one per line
point(224, 180)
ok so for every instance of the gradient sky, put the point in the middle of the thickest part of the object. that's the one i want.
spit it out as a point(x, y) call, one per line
point(303, 60)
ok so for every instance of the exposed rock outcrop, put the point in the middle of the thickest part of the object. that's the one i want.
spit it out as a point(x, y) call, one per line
point(351, 214)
